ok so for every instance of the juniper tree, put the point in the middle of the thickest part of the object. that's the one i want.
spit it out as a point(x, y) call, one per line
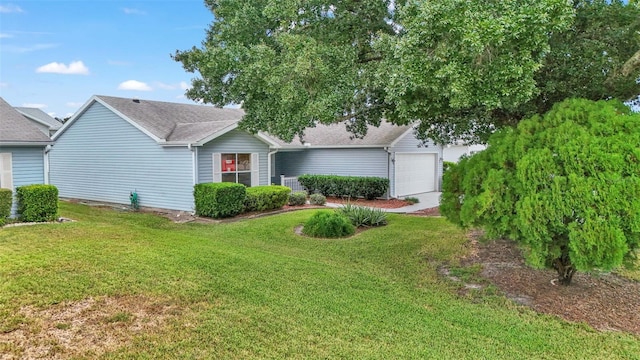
point(565, 186)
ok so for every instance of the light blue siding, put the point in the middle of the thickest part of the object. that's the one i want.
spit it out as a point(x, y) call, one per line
point(27, 167)
point(102, 157)
point(347, 162)
point(354, 161)
point(235, 141)
point(410, 144)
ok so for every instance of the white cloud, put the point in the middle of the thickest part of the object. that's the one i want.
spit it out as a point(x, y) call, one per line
point(183, 85)
point(75, 68)
point(31, 105)
point(134, 85)
point(74, 104)
point(130, 11)
point(10, 8)
point(5, 36)
point(26, 49)
point(164, 86)
point(4, 85)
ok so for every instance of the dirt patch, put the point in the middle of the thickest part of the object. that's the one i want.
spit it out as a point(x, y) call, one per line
point(89, 327)
point(603, 300)
point(434, 211)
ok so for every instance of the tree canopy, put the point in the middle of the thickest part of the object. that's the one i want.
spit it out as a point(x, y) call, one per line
point(457, 68)
point(566, 186)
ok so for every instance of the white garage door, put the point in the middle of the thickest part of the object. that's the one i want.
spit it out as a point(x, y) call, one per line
point(415, 173)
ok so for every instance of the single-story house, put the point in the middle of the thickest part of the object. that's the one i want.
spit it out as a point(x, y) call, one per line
point(115, 146)
point(47, 124)
point(23, 150)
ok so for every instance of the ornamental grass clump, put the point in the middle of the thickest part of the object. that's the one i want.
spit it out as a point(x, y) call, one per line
point(364, 216)
point(328, 224)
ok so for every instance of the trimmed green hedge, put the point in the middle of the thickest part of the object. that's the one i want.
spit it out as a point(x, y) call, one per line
point(219, 200)
point(368, 187)
point(6, 199)
point(298, 198)
point(37, 202)
point(267, 197)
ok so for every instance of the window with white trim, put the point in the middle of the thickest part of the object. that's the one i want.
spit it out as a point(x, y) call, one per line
point(241, 168)
point(6, 177)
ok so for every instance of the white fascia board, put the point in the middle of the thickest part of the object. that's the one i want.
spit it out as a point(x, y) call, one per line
point(88, 104)
point(73, 118)
point(42, 122)
point(26, 143)
point(215, 135)
point(267, 139)
point(395, 142)
point(133, 123)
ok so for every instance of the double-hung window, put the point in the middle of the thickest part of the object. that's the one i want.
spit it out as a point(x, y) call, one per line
point(241, 168)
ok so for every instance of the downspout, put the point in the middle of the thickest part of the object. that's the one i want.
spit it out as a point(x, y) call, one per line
point(386, 148)
point(194, 163)
point(194, 171)
point(269, 164)
point(46, 164)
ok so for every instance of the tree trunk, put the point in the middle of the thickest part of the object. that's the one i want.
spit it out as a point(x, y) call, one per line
point(565, 269)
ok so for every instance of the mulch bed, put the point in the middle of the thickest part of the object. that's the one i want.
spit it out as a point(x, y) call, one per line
point(605, 301)
point(378, 203)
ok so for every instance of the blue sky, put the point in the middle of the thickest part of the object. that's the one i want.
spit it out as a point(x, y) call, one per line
point(56, 54)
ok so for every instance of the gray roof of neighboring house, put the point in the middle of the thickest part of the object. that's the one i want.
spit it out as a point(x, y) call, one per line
point(336, 135)
point(174, 122)
point(40, 116)
point(15, 129)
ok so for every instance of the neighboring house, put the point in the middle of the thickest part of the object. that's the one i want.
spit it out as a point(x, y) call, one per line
point(22, 151)
point(387, 151)
point(114, 146)
point(453, 152)
point(47, 124)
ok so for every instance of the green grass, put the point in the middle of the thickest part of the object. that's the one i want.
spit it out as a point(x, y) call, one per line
point(254, 289)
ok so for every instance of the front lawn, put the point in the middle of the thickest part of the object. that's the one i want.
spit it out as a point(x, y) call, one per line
point(130, 285)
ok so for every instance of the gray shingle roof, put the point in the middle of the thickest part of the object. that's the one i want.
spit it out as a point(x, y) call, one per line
point(16, 129)
point(336, 135)
point(40, 116)
point(181, 123)
point(190, 123)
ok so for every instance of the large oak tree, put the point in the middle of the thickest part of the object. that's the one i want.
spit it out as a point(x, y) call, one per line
point(456, 68)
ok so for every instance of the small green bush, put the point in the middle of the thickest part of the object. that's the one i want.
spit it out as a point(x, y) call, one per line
point(364, 216)
point(412, 200)
point(6, 199)
point(268, 197)
point(37, 202)
point(328, 224)
point(446, 165)
point(219, 200)
point(368, 187)
point(317, 199)
point(298, 198)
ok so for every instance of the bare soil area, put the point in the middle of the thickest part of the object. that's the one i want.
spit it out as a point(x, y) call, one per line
point(86, 328)
point(605, 301)
point(378, 203)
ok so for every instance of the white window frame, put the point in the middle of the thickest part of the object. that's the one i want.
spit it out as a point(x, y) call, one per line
point(6, 171)
point(254, 167)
